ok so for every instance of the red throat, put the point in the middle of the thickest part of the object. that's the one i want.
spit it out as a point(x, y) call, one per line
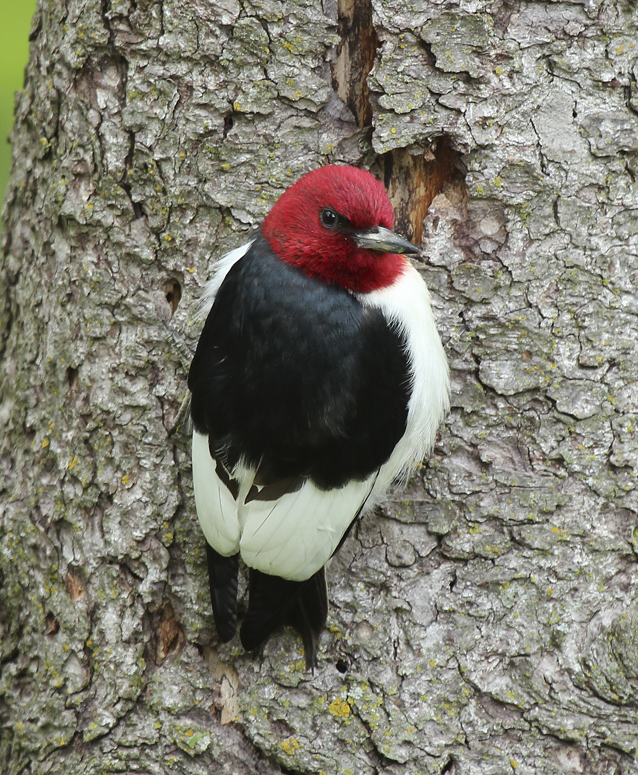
point(295, 232)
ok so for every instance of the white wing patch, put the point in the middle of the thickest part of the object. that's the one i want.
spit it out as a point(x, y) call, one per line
point(216, 506)
point(292, 537)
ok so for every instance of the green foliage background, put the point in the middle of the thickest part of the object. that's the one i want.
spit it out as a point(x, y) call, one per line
point(15, 22)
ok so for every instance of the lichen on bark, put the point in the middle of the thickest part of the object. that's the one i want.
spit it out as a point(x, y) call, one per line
point(484, 620)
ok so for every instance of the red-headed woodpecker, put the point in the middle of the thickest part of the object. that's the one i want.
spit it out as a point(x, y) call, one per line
point(318, 379)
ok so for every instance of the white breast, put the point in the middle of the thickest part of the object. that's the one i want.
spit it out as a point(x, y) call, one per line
point(407, 304)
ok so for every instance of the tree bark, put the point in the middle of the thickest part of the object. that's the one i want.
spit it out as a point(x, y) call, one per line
point(485, 620)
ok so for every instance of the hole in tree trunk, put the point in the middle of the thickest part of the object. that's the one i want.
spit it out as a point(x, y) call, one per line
point(413, 180)
point(75, 584)
point(169, 634)
point(52, 625)
point(173, 291)
point(73, 380)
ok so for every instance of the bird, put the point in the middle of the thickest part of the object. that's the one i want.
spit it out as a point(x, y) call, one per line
point(319, 378)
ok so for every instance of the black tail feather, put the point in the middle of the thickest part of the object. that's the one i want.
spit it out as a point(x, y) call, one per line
point(309, 613)
point(222, 576)
point(274, 601)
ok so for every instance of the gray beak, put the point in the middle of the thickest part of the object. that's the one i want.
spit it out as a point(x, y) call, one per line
point(383, 241)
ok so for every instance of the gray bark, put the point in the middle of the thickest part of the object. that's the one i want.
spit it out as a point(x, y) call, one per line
point(485, 621)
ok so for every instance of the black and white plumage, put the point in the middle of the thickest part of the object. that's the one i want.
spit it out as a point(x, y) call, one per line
point(319, 378)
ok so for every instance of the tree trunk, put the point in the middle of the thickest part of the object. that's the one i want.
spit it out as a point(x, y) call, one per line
point(485, 621)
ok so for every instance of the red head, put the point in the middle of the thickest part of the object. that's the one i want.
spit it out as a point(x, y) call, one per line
point(327, 225)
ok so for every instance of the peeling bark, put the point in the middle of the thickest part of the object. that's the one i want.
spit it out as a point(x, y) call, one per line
point(485, 620)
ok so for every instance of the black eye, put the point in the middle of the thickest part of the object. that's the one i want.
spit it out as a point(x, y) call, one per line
point(329, 218)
